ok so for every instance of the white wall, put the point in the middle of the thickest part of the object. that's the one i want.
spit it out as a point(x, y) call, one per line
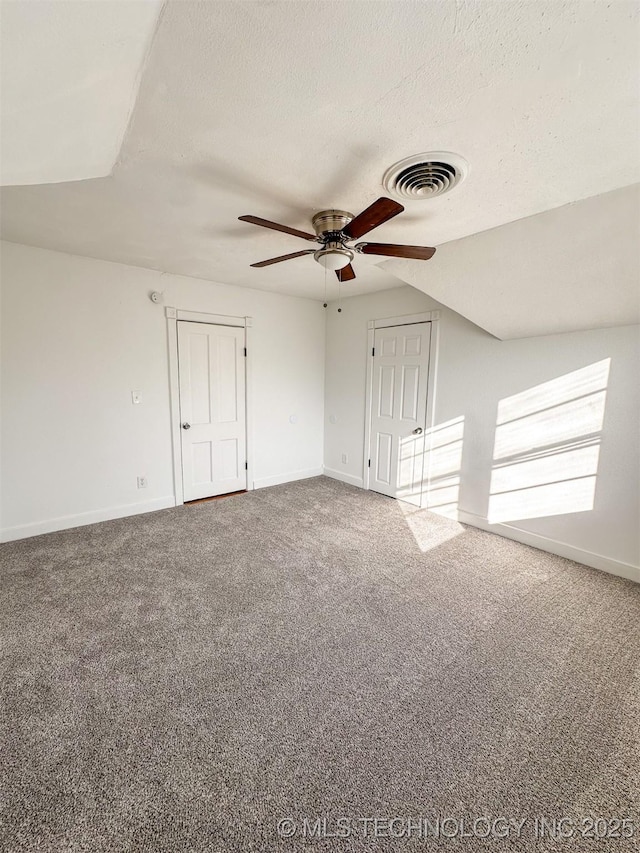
point(345, 373)
point(78, 335)
point(475, 372)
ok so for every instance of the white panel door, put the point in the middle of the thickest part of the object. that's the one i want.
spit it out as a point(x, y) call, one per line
point(399, 410)
point(211, 371)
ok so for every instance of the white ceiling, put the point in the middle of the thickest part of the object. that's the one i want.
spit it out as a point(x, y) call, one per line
point(574, 267)
point(69, 79)
point(279, 109)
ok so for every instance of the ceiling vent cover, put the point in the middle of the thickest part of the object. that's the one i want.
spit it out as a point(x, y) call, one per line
point(425, 175)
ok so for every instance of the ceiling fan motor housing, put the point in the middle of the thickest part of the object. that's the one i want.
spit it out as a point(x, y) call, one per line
point(329, 222)
point(328, 225)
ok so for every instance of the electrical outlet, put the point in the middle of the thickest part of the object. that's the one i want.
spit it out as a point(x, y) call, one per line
point(345, 458)
point(142, 482)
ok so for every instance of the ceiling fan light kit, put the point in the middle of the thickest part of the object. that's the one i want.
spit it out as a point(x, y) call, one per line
point(335, 229)
point(334, 256)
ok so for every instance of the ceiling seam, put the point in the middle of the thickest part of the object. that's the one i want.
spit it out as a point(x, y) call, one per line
point(136, 88)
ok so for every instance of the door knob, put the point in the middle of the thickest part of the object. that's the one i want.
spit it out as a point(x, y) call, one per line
point(417, 431)
point(185, 425)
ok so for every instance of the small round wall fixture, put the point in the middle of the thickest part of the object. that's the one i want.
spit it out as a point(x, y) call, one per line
point(425, 176)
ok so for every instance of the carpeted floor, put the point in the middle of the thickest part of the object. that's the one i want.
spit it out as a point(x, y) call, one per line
point(185, 680)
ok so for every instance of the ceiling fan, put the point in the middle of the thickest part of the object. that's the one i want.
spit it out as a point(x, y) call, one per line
point(335, 229)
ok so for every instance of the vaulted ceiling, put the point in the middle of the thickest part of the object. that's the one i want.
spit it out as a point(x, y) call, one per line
point(280, 109)
point(69, 79)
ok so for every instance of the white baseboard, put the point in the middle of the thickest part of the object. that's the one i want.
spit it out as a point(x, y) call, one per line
point(23, 531)
point(344, 478)
point(278, 479)
point(562, 549)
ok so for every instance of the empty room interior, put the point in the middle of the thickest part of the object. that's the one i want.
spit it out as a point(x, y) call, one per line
point(320, 426)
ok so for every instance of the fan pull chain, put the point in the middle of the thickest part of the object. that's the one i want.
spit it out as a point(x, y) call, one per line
point(339, 296)
point(325, 288)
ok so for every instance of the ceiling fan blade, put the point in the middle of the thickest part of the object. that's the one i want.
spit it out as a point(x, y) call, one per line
point(346, 273)
point(283, 258)
point(266, 223)
point(377, 213)
point(419, 253)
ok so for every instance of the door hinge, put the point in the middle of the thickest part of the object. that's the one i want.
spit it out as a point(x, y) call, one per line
point(245, 352)
point(373, 351)
point(246, 466)
point(369, 465)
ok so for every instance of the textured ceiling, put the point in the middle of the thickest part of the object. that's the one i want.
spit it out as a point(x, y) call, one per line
point(574, 267)
point(280, 109)
point(69, 79)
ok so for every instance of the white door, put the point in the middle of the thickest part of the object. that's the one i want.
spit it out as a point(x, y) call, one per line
point(399, 411)
point(211, 372)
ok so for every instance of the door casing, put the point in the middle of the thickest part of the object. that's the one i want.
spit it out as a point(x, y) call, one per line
point(172, 316)
point(432, 317)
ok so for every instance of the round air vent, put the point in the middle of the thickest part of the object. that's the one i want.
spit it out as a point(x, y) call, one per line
point(425, 175)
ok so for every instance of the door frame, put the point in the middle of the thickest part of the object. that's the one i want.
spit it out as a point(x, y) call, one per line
point(173, 315)
point(432, 317)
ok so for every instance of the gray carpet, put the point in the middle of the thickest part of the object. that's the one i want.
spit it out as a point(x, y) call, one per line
point(184, 680)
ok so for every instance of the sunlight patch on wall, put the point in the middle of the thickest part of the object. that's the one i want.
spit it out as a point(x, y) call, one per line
point(428, 530)
point(442, 467)
point(411, 468)
point(547, 446)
